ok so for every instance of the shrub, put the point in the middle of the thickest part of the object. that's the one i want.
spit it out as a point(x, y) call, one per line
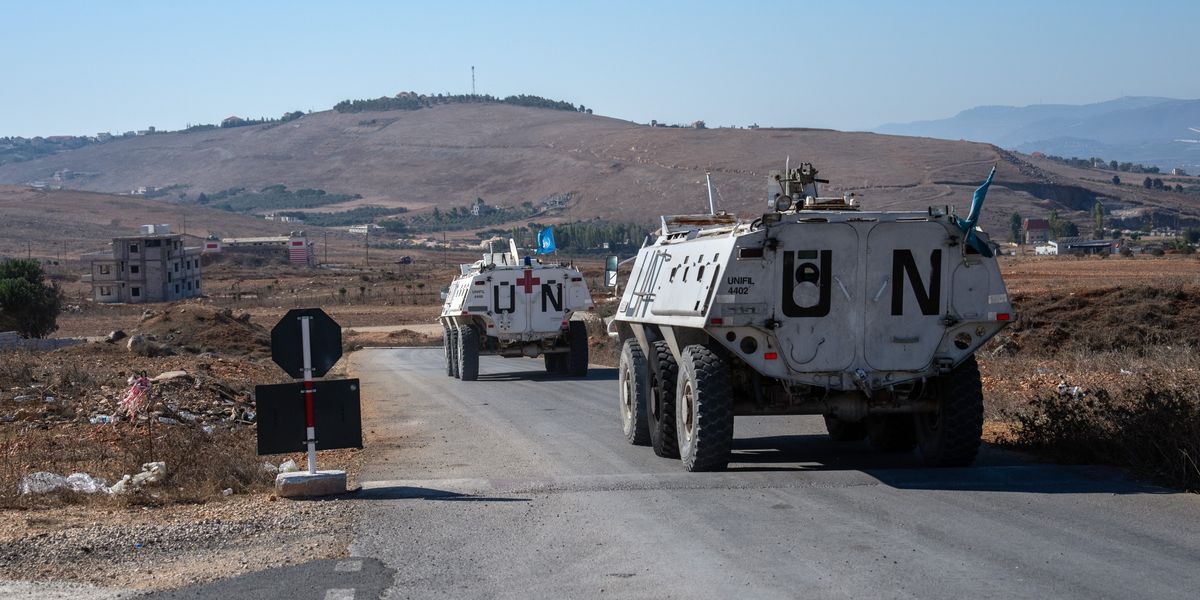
point(1155, 431)
point(28, 304)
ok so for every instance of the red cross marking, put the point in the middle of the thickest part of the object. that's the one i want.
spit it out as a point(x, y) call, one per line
point(528, 281)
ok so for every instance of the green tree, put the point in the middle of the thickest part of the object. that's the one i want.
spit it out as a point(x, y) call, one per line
point(1147, 183)
point(1014, 228)
point(1098, 220)
point(28, 304)
point(1116, 180)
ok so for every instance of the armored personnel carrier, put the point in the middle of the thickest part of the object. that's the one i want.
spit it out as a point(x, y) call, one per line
point(504, 305)
point(816, 307)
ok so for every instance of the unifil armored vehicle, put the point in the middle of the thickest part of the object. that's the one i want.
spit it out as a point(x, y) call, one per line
point(505, 305)
point(816, 307)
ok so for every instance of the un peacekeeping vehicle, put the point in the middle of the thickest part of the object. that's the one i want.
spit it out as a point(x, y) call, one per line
point(504, 305)
point(870, 319)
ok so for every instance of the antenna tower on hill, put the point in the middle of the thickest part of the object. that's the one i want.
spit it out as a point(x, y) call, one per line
point(472, 80)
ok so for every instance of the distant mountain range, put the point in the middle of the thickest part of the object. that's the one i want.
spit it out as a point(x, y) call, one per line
point(1135, 129)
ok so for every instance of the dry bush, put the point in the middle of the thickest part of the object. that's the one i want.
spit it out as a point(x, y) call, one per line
point(199, 465)
point(16, 368)
point(1154, 431)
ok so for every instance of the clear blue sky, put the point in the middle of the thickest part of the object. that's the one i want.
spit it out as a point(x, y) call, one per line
point(85, 67)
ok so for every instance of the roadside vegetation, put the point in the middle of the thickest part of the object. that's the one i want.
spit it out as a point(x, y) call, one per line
point(1103, 376)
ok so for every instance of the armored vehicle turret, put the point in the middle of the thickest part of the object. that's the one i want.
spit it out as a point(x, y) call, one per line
point(509, 306)
point(816, 307)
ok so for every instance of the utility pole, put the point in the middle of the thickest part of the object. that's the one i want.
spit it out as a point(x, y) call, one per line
point(326, 247)
point(472, 80)
point(367, 246)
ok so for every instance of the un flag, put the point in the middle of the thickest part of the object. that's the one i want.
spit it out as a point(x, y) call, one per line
point(545, 241)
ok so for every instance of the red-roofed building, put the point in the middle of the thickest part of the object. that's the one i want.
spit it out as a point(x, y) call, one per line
point(1035, 231)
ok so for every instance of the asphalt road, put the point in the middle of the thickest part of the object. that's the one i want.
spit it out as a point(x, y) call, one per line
point(520, 485)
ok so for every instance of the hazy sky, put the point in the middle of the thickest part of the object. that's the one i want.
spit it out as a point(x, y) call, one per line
point(85, 67)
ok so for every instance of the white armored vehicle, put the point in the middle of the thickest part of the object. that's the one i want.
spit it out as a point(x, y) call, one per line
point(508, 306)
point(868, 318)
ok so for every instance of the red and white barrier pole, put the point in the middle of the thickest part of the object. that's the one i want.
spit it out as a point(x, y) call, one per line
point(309, 421)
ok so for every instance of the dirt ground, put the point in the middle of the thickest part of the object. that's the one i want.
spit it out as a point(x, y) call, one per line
point(1057, 273)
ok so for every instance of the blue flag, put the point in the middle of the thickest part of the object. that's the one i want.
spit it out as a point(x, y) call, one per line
point(968, 226)
point(545, 241)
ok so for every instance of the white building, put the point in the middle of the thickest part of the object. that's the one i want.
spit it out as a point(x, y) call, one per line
point(1049, 249)
point(367, 229)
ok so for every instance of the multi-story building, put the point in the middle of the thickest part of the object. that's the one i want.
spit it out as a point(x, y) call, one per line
point(1035, 231)
point(151, 267)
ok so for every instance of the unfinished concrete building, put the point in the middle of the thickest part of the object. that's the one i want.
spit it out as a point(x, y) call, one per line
point(151, 267)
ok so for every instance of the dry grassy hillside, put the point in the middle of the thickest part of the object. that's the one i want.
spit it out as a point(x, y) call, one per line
point(71, 222)
point(449, 155)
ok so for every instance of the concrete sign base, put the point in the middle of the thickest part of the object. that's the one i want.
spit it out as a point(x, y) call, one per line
point(300, 484)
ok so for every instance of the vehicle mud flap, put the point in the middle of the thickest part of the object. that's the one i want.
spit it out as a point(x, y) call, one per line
point(660, 405)
point(704, 410)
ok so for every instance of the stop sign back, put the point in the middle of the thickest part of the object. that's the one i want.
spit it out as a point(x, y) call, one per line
point(325, 340)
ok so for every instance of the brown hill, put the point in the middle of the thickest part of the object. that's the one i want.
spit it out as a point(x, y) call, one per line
point(66, 223)
point(449, 155)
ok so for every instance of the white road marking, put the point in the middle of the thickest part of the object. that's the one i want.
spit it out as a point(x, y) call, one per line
point(348, 566)
point(339, 594)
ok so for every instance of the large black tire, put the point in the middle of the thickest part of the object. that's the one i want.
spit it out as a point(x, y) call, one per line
point(634, 376)
point(468, 353)
point(660, 406)
point(447, 346)
point(577, 358)
point(552, 362)
point(845, 431)
point(454, 351)
point(891, 433)
point(704, 410)
point(950, 437)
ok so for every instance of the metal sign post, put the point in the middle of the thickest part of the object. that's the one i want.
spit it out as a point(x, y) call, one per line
point(309, 421)
point(306, 344)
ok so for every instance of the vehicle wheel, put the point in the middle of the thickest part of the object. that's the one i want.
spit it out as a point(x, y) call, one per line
point(634, 377)
point(845, 431)
point(660, 406)
point(704, 410)
point(447, 346)
point(552, 362)
point(950, 437)
point(468, 353)
point(891, 433)
point(454, 351)
point(577, 358)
